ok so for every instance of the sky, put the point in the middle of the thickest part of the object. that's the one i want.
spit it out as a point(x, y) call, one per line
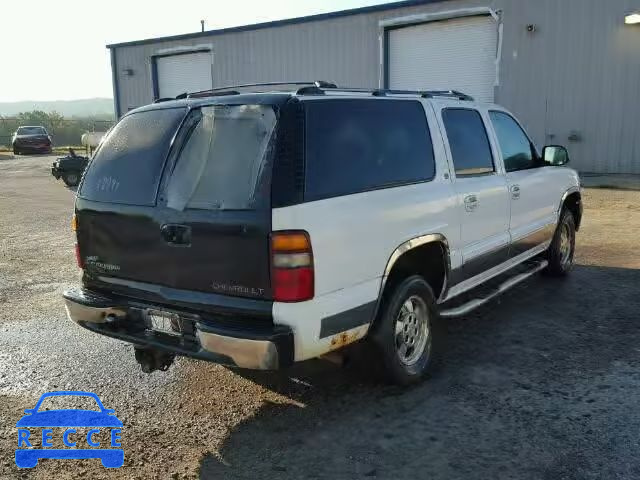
point(55, 49)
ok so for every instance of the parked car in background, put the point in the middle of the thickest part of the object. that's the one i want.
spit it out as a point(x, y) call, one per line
point(262, 229)
point(31, 140)
point(69, 168)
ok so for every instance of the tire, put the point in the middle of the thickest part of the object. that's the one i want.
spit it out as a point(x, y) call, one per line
point(71, 179)
point(403, 354)
point(562, 249)
point(16, 151)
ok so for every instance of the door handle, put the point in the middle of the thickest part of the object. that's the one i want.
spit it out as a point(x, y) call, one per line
point(515, 192)
point(471, 203)
point(176, 235)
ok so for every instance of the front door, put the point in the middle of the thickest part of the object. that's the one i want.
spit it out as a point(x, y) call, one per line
point(532, 186)
point(481, 189)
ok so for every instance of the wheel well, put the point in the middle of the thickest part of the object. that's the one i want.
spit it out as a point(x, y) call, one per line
point(428, 260)
point(572, 203)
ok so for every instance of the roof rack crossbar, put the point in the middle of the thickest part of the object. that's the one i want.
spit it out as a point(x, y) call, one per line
point(233, 88)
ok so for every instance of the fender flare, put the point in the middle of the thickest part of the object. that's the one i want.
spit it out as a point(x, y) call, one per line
point(566, 194)
point(406, 247)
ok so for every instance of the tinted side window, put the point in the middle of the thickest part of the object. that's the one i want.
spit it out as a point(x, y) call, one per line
point(468, 141)
point(358, 145)
point(128, 165)
point(514, 143)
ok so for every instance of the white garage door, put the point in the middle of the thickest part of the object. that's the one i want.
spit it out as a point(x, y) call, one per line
point(189, 72)
point(457, 54)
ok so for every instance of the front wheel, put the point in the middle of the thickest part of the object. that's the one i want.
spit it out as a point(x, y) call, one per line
point(563, 246)
point(16, 151)
point(404, 337)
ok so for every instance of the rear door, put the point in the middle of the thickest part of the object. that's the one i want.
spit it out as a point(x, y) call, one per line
point(481, 190)
point(193, 217)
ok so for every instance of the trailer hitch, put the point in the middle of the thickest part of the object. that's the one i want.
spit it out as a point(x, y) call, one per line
point(151, 360)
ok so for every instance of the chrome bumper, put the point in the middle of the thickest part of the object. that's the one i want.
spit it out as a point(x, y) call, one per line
point(263, 350)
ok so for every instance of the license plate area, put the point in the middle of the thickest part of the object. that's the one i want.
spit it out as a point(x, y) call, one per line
point(167, 323)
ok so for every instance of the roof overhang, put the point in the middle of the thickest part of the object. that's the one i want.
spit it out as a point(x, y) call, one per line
point(279, 23)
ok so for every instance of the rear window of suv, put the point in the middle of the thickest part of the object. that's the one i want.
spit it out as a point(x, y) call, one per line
point(222, 161)
point(31, 131)
point(358, 145)
point(128, 164)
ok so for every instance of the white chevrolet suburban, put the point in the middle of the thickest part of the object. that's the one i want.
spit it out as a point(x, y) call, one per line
point(263, 225)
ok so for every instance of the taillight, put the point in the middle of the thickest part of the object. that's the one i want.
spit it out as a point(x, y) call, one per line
point(78, 257)
point(74, 227)
point(292, 275)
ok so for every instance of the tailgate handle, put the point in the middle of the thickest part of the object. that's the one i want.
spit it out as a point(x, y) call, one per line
point(176, 235)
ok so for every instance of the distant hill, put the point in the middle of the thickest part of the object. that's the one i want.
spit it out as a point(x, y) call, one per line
point(67, 108)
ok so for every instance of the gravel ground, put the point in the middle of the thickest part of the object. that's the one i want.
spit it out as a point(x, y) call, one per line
point(542, 384)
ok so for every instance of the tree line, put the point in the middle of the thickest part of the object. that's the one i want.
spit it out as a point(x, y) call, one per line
point(63, 131)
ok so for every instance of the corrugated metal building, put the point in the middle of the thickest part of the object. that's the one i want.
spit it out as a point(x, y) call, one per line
point(570, 69)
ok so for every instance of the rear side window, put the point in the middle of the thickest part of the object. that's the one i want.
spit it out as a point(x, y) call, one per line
point(358, 145)
point(468, 141)
point(128, 165)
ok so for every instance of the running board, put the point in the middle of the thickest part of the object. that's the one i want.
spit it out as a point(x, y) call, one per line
point(471, 305)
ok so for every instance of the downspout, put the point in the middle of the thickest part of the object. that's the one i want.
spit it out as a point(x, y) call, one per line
point(114, 79)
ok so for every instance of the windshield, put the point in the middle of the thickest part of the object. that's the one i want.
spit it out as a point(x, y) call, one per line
point(128, 165)
point(31, 131)
point(221, 163)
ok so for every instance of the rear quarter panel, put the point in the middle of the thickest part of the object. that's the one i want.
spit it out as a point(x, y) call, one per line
point(353, 237)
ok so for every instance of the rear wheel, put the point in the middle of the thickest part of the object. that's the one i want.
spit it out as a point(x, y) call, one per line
point(404, 337)
point(562, 248)
point(71, 179)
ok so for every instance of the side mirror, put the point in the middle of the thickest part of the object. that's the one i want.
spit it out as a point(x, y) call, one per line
point(555, 155)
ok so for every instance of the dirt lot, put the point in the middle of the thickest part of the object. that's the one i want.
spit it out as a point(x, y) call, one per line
point(543, 384)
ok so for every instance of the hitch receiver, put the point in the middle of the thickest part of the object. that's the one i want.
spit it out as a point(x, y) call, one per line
point(151, 360)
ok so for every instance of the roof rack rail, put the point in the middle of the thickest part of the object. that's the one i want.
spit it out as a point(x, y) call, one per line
point(382, 92)
point(449, 93)
point(232, 89)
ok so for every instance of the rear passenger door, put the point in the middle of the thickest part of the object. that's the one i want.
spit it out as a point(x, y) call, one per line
point(533, 188)
point(481, 190)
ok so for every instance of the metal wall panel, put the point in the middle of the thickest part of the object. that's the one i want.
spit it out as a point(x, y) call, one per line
point(457, 54)
point(574, 80)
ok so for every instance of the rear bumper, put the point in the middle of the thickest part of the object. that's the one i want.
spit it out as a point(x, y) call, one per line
point(266, 347)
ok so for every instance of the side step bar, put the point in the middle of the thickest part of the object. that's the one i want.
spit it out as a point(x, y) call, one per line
point(471, 305)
